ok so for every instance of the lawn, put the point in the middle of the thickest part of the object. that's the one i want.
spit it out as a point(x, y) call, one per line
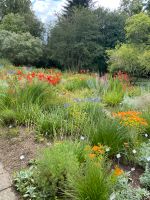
point(76, 136)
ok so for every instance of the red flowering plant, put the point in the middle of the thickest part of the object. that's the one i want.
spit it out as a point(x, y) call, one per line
point(124, 79)
point(51, 77)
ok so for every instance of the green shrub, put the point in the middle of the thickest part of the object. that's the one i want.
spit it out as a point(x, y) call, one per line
point(26, 185)
point(28, 114)
point(49, 177)
point(8, 117)
point(109, 132)
point(125, 191)
point(143, 154)
point(112, 98)
point(36, 93)
point(145, 178)
point(113, 94)
point(134, 91)
point(146, 116)
point(76, 83)
point(93, 182)
point(50, 125)
point(55, 167)
point(5, 62)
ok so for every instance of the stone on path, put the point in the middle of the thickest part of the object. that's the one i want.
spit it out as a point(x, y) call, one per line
point(5, 181)
point(6, 192)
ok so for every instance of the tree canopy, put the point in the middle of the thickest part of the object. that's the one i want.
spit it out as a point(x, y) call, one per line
point(14, 6)
point(81, 40)
point(134, 56)
point(71, 4)
point(20, 48)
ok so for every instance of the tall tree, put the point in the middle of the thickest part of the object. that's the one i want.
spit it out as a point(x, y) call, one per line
point(74, 40)
point(147, 6)
point(131, 7)
point(81, 39)
point(14, 6)
point(22, 23)
point(75, 3)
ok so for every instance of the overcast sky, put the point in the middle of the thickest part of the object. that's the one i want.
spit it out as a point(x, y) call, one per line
point(47, 9)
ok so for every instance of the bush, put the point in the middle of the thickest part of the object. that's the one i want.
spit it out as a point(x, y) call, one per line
point(143, 154)
point(112, 98)
point(146, 116)
point(109, 132)
point(76, 83)
point(114, 93)
point(134, 91)
point(55, 167)
point(49, 125)
point(28, 114)
point(20, 48)
point(145, 178)
point(8, 117)
point(49, 177)
point(35, 93)
point(5, 62)
point(93, 182)
point(124, 191)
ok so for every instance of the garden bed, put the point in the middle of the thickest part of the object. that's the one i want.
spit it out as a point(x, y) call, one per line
point(62, 133)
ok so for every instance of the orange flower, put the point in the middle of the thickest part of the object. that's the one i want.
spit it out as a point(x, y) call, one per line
point(92, 155)
point(130, 118)
point(96, 148)
point(101, 151)
point(118, 171)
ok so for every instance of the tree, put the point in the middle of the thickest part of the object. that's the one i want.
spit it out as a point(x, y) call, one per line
point(80, 40)
point(131, 7)
point(138, 29)
point(76, 3)
point(111, 26)
point(133, 57)
point(35, 26)
point(147, 6)
point(14, 6)
point(74, 41)
point(20, 48)
point(14, 23)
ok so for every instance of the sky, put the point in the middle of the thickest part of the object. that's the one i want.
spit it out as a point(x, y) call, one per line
point(46, 9)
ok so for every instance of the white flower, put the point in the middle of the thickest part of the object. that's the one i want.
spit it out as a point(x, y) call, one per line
point(132, 169)
point(82, 138)
point(10, 126)
point(118, 155)
point(134, 151)
point(22, 157)
point(107, 149)
point(49, 144)
point(146, 135)
point(148, 159)
point(112, 196)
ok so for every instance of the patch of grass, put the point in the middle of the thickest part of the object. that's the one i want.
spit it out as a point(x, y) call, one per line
point(109, 132)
